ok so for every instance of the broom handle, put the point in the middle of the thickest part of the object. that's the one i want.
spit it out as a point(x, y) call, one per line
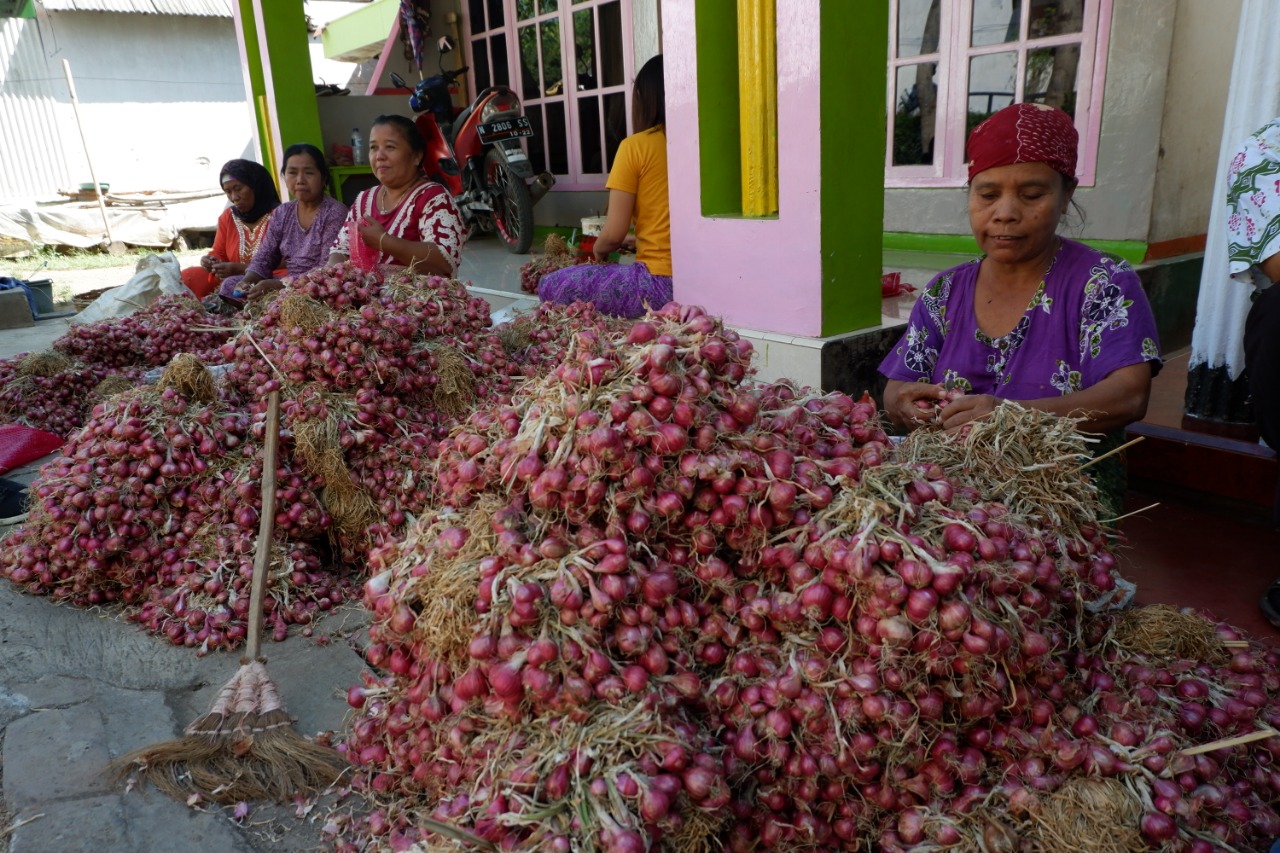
point(266, 526)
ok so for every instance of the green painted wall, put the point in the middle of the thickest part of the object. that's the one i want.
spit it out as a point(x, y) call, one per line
point(297, 115)
point(17, 9)
point(720, 160)
point(852, 46)
point(249, 36)
point(1133, 251)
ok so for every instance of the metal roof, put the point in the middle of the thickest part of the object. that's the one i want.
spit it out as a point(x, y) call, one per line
point(200, 8)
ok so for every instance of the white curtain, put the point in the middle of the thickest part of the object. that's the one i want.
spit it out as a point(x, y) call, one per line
point(1253, 99)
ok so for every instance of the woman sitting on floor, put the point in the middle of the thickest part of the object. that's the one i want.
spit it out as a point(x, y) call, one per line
point(1038, 318)
point(407, 220)
point(240, 229)
point(301, 231)
point(637, 193)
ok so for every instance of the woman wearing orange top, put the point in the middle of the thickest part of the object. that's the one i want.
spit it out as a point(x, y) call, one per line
point(637, 193)
point(253, 196)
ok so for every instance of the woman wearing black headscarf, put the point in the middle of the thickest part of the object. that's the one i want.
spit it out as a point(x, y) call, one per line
point(253, 195)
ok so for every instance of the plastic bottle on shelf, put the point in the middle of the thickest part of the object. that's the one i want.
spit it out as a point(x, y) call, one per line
point(358, 155)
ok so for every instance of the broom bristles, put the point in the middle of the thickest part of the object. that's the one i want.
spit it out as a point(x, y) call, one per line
point(243, 749)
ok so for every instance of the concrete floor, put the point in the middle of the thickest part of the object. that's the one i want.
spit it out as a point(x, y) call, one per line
point(1180, 554)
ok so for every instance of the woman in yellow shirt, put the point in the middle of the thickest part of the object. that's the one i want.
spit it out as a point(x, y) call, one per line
point(637, 193)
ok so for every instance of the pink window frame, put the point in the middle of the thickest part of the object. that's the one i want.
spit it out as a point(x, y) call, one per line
point(954, 53)
point(575, 180)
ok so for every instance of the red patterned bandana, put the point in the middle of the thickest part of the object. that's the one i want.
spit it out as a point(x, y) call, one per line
point(1025, 133)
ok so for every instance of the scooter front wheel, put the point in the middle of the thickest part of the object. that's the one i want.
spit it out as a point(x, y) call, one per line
point(512, 205)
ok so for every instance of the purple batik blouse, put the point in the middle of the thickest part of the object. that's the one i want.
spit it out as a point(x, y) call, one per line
point(299, 250)
point(1089, 318)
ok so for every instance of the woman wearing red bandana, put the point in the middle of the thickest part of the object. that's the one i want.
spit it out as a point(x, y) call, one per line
point(1039, 318)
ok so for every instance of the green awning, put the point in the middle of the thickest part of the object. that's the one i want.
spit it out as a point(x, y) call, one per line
point(361, 34)
point(17, 8)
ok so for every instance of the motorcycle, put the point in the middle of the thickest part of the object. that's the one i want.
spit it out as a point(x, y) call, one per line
point(478, 156)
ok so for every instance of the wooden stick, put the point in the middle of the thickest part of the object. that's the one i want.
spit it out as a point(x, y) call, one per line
point(230, 330)
point(13, 519)
point(266, 526)
point(1235, 644)
point(84, 140)
point(1112, 452)
point(1262, 734)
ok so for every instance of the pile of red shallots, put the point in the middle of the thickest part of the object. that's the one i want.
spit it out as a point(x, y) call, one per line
point(154, 505)
point(149, 337)
point(544, 686)
point(536, 342)
point(661, 609)
point(155, 502)
point(380, 370)
point(48, 391)
point(55, 390)
point(556, 255)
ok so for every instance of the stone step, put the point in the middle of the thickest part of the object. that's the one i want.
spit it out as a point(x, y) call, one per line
point(15, 311)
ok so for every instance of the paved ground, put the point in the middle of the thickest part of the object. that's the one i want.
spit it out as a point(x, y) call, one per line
point(80, 688)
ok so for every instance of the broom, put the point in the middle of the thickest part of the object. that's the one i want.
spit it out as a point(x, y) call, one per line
point(245, 747)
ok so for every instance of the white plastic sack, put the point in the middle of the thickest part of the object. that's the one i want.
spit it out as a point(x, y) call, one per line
point(152, 376)
point(156, 275)
point(506, 315)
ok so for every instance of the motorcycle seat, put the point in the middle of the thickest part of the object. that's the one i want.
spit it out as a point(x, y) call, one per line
point(459, 123)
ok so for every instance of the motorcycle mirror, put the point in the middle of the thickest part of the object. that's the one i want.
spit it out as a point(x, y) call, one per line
point(398, 80)
point(445, 44)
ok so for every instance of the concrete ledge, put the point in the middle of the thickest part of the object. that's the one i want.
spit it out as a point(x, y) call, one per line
point(1172, 286)
point(15, 313)
point(499, 299)
point(845, 362)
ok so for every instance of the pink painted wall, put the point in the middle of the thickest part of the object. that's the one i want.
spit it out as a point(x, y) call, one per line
point(760, 274)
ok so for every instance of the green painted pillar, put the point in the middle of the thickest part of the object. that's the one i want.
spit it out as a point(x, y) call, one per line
point(810, 266)
point(252, 67)
point(278, 65)
point(853, 43)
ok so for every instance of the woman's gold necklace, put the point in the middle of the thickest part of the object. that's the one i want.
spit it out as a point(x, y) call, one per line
point(383, 207)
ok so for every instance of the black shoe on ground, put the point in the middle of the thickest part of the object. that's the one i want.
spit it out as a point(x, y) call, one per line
point(1270, 603)
point(13, 498)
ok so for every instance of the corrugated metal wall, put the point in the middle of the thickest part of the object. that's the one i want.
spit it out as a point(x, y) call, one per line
point(203, 8)
point(33, 96)
point(162, 101)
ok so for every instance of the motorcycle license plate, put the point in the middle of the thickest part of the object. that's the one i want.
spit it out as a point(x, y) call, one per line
point(507, 128)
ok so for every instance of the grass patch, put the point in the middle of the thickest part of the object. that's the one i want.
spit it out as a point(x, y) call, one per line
point(51, 259)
